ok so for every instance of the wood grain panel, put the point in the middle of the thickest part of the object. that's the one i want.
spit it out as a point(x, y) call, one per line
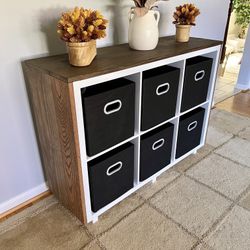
point(116, 58)
point(57, 134)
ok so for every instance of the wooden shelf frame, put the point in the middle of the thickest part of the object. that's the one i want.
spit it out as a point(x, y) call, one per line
point(54, 89)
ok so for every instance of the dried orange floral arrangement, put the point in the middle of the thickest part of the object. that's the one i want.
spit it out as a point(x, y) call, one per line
point(81, 25)
point(186, 14)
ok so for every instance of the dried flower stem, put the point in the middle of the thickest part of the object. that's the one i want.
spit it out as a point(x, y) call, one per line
point(143, 6)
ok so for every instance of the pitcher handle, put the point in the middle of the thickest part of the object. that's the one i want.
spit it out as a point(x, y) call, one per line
point(131, 14)
point(157, 16)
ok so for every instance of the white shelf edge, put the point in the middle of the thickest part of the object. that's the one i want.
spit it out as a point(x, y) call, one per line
point(182, 66)
point(197, 106)
point(90, 158)
point(216, 56)
point(138, 129)
point(157, 126)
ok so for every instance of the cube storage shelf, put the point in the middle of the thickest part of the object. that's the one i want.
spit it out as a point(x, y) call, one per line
point(105, 131)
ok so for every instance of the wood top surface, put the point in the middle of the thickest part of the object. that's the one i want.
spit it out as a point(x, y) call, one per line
point(115, 58)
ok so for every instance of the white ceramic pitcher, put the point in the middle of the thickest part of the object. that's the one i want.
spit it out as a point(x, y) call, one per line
point(143, 33)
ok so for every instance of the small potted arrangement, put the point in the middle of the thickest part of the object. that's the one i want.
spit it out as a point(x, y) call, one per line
point(184, 16)
point(80, 28)
point(143, 31)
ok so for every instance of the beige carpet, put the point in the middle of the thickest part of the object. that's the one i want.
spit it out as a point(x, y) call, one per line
point(202, 203)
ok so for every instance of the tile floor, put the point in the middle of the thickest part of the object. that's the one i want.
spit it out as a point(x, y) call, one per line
point(225, 86)
point(202, 203)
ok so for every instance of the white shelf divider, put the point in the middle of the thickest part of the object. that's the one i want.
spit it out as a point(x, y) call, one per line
point(90, 158)
point(137, 145)
point(181, 65)
point(189, 110)
point(137, 78)
point(157, 126)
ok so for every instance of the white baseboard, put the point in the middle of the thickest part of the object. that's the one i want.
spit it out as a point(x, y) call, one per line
point(23, 197)
point(242, 86)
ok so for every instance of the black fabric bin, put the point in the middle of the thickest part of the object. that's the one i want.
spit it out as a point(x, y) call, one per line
point(109, 114)
point(190, 129)
point(111, 175)
point(196, 82)
point(159, 95)
point(155, 151)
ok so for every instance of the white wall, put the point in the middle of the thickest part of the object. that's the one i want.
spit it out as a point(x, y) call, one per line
point(28, 29)
point(243, 81)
